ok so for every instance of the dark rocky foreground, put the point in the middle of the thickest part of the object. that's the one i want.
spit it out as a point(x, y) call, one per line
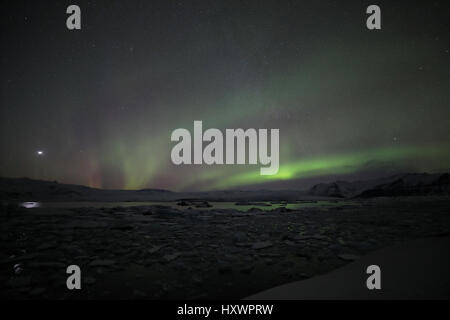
point(156, 252)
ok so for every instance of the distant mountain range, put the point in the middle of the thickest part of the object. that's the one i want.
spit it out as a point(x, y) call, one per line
point(417, 184)
point(410, 184)
point(24, 189)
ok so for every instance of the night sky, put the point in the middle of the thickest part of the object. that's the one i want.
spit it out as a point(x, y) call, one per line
point(102, 102)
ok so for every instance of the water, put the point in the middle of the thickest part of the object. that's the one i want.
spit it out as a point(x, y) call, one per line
point(263, 205)
point(30, 205)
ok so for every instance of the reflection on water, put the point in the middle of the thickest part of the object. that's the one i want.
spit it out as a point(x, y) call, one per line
point(30, 205)
point(263, 205)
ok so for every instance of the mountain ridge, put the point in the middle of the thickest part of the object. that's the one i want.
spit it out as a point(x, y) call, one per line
point(408, 184)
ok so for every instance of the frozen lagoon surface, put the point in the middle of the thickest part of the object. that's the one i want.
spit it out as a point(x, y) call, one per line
point(240, 206)
point(145, 250)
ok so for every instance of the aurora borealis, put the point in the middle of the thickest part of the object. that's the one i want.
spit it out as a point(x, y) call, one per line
point(101, 103)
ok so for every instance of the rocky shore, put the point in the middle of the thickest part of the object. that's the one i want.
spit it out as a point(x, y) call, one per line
point(159, 252)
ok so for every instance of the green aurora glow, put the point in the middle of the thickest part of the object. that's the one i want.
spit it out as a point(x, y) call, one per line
point(103, 104)
point(336, 164)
